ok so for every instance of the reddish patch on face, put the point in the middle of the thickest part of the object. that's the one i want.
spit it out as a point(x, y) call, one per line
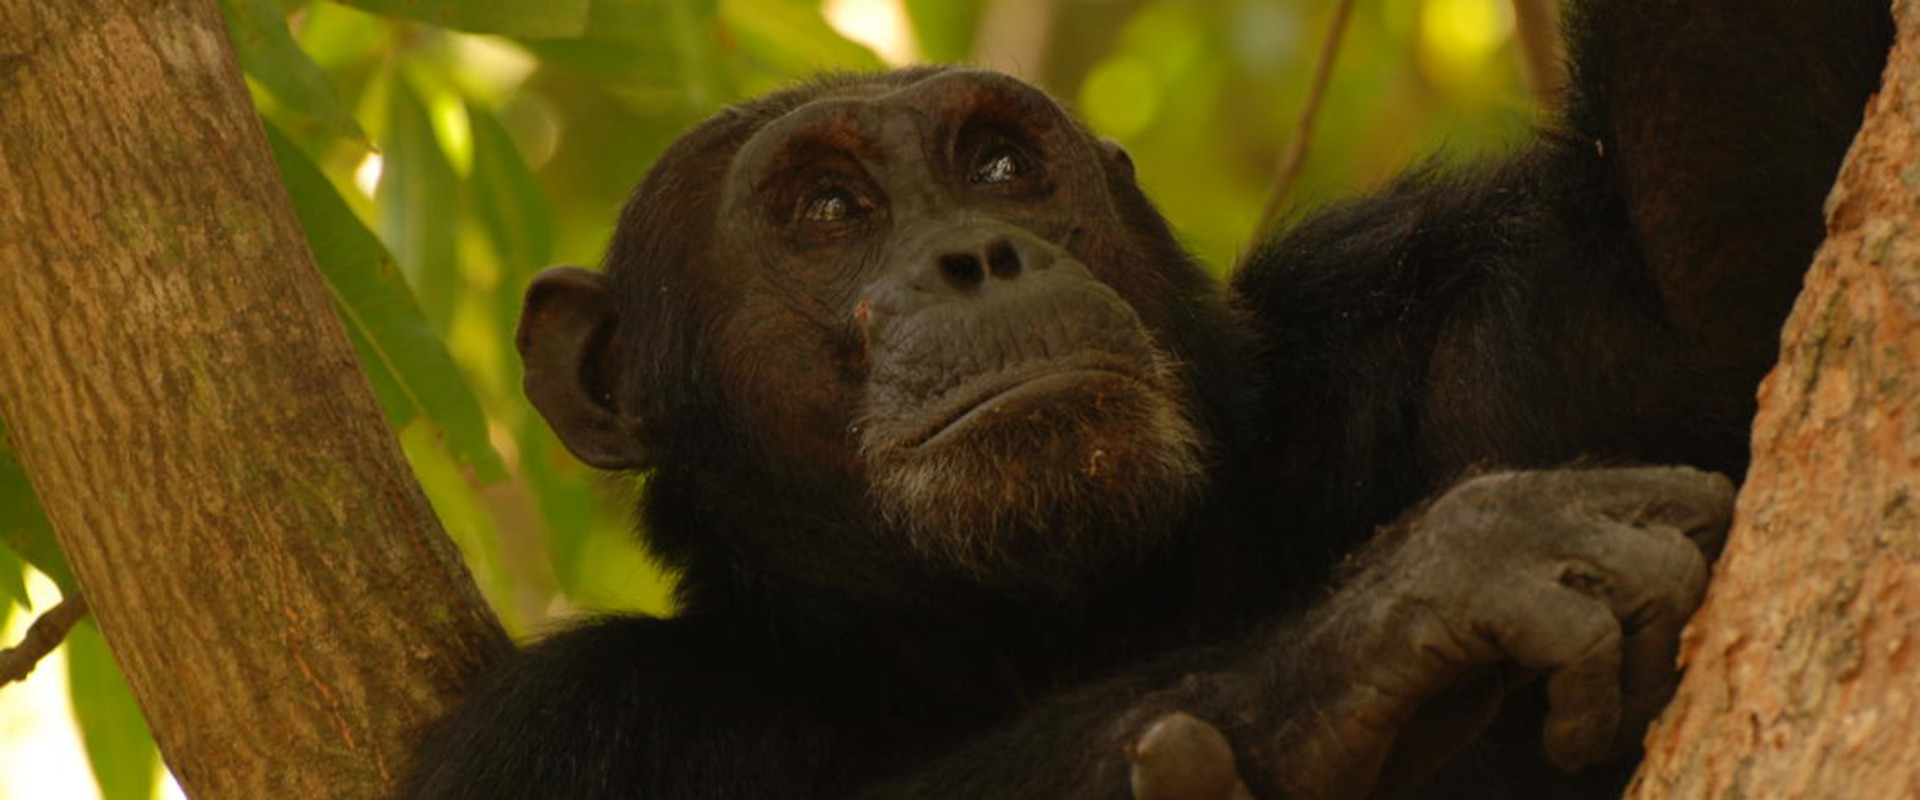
point(862, 314)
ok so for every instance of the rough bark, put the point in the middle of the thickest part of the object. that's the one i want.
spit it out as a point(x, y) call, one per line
point(269, 576)
point(1801, 667)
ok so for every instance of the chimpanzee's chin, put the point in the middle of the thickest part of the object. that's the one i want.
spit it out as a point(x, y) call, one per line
point(1062, 477)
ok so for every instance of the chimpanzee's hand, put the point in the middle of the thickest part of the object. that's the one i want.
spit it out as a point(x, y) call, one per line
point(1583, 576)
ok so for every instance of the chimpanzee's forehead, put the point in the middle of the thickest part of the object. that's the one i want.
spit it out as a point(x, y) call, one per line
point(923, 86)
point(856, 113)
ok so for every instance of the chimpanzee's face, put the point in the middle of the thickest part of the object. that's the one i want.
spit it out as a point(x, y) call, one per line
point(938, 297)
point(932, 301)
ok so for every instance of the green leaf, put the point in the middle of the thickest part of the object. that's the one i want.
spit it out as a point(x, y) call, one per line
point(944, 28)
point(792, 37)
point(512, 209)
point(612, 573)
point(657, 43)
point(626, 40)
point(269, 55)
point(417, 198)
point(23, 525)
point(565, 493)
point(466, 519)
point(350, 45)
point(410, 368)
point(532, 18)
point(652, 22)
point(13, 584)
point(118, 742)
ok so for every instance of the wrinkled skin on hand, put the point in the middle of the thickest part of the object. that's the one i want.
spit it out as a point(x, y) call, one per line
point(1581, 578)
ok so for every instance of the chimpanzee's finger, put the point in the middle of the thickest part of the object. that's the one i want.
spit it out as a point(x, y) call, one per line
point(1699, 504)
point(1576, 638)
point(1180, 757)
point(1649, 655)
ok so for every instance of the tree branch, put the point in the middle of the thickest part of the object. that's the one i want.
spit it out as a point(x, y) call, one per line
point(288, 591)
point(1295, 155)
point(47, 632)
point(1799, 669)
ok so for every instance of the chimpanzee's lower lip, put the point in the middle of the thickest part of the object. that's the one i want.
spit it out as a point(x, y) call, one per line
point(1016, 388)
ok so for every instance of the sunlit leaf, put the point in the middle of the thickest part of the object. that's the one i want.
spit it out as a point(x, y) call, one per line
point(625, 40)
point(512, 209)
point(612, 573)
point(606, 60)
point(565, 491)
point(693, 34)
point(269, 55)
point(24, 528)
point(944, 28)
point(649, 21)
point(466, 519)
point(118, 743)
point(792, 36)
point(514, 214)
point(408, 364)
point(337, 37)
point(418, 198)
point(13, 584)
point(663, 44)
point(533, 18)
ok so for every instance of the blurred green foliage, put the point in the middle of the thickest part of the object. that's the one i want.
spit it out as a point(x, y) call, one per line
point(440, 152)
point(116, 737)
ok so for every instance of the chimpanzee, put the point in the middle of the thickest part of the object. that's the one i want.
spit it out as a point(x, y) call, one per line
point(978, 487)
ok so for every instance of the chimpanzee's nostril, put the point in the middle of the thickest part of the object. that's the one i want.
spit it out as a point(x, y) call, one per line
point(1003, 260)
point(962, 270)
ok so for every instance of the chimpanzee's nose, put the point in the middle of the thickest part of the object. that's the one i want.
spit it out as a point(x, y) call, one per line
point(969, 258)
point(975, 261)
point(964, 270)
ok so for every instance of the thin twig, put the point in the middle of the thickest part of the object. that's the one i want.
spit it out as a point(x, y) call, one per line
point(47, 632)
point(1295, 156)
point(1537, 24)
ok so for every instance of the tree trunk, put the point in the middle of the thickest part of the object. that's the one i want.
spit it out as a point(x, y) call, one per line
point(1801, 668)
point(269, 576)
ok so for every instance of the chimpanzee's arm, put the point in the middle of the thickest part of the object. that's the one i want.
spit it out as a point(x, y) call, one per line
point(1615, 291)
point(1612, 293)
point(1582, 575)
point(1721, 125)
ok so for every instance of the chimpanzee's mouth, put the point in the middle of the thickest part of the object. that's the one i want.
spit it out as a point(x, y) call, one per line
point(1023, 390)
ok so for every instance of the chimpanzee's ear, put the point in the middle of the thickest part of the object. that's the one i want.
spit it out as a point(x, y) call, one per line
point(1116, 155)
point(573, 370)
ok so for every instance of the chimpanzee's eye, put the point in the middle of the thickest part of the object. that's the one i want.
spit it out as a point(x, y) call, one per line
point(830, 205)
point(997, 165)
